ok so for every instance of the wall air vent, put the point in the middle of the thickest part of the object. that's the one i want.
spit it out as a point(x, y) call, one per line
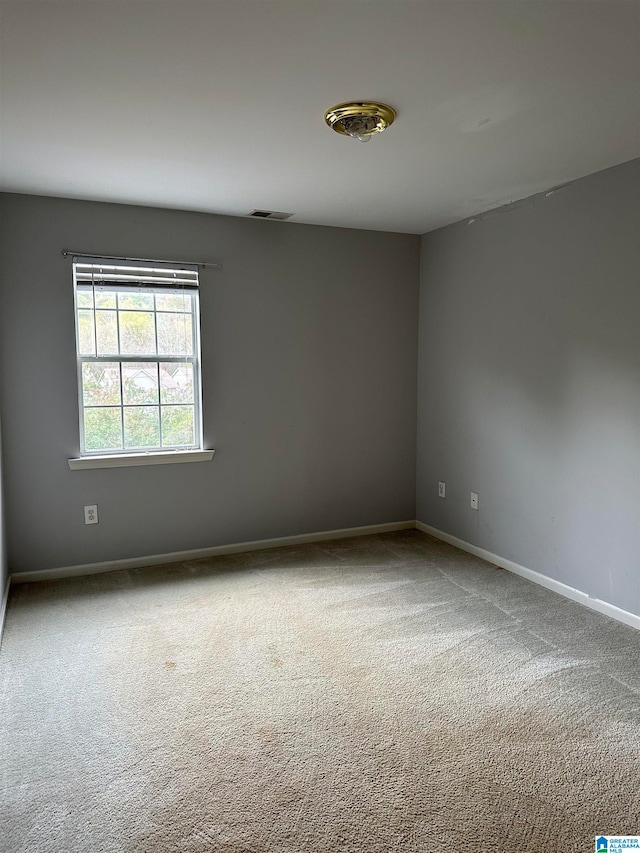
point(270, 214)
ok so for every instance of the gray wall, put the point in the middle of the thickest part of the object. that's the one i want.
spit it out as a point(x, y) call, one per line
point(4, 571)
point(529, 383)
point(309, 339)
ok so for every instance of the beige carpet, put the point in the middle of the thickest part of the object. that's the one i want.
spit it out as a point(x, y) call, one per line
point(380, 694)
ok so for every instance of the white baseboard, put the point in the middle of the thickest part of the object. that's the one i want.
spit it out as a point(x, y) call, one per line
point(201, 553)
point(263, 544)
point(555, 586)
point(3, 607)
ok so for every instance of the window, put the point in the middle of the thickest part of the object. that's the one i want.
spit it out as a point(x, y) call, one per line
point(138, 350)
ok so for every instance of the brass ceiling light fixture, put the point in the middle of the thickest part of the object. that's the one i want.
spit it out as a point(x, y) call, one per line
point(360, 119)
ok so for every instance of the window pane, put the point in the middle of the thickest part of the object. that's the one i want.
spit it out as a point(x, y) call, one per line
point(101, 384)
point(174, 334)
point(105, 299)
point(106, 332)
point(176, 382)
point(136, 301)
point(86, 342)
point(140, 383)
point(177, 426)
point(173, 302)
point(141, 427)
point(144, 395)
point(137, 333)
point(102, 429)
point(84, 299)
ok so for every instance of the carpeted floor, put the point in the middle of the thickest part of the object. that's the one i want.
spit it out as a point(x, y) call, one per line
point(372, 695)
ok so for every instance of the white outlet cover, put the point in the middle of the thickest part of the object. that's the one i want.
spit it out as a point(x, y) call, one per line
point(442, 489)
point(474, 500)
point(91, 514)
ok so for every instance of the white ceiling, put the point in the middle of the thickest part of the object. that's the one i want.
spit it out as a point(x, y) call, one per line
point(218, 105)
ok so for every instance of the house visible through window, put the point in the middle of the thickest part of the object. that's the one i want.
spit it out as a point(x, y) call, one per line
point(138, 348)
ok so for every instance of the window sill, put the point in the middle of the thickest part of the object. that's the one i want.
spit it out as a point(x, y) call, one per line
point(130, 460)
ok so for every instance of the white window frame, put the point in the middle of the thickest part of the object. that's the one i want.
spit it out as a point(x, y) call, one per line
point(157, 278)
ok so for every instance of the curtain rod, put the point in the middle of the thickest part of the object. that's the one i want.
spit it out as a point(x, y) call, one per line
point(202, 264)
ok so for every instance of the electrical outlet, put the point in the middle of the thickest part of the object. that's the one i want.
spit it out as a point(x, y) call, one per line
point(442, 489)
point(91, 514)
point(474, 500)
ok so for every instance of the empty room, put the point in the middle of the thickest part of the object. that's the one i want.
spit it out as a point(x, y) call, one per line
point(320, 426)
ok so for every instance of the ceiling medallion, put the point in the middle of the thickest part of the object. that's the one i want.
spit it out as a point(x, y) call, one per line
point(360, 119)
